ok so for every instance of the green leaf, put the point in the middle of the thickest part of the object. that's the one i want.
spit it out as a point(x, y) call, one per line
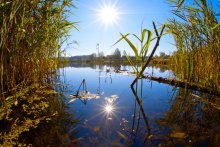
point(121, 39)
point(175, 12)
point(122, 135)
point(147, 43)
point(131, 45)
point(143, 34)
point(74, 26)
point(180, 3)
point(216, 26)
point(131, 63)
point(143, 49)
point(137, 37)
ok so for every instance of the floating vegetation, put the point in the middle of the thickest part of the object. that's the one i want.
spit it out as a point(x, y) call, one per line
point(125, 73)
point(83, 94)
point(87, 95)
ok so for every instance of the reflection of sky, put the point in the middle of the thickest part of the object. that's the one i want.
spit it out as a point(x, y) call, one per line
point(116, 103)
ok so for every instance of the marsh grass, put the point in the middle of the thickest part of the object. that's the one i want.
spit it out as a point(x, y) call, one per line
point(197, 39)
point(36, 108)
point(31, 35)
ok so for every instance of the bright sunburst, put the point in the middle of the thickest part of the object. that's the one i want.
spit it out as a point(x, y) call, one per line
point(108, 14)
point(108, 108)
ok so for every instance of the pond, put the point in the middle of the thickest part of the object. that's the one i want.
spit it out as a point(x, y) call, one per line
point(109, 114)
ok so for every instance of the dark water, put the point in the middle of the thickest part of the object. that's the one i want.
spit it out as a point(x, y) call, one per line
point(163, 115)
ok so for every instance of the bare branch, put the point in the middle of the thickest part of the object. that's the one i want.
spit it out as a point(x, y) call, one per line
point(152, 53)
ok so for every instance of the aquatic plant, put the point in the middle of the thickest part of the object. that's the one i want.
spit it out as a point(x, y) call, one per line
point(197, 39)
point(140, 54)
point(32, 33)
point(36, 108)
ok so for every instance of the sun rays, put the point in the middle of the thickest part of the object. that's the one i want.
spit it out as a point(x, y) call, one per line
point(108, 14)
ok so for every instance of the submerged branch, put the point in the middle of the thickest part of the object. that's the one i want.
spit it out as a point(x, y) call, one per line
point(142, 110)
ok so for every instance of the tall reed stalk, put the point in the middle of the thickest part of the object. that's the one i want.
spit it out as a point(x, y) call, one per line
point(31, 35)
point(140, 53)
point(31, 32)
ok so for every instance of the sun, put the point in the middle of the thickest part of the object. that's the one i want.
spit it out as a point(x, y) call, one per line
point(108, 14)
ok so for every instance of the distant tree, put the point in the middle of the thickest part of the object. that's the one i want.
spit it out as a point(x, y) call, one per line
point(163, 55)
point(93, 56)
point(101, 54)
point(117, 53)
point(124, 53)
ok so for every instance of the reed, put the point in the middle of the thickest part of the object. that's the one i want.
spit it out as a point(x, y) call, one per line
point(31, 35)
point(197, 38)
point(140, 53)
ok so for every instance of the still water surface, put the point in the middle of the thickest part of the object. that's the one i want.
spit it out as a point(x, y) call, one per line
point(110, 115)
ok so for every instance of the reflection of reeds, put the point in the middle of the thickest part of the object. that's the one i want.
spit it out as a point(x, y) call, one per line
point(192, 116)
point(139, 72)
point(135, 130)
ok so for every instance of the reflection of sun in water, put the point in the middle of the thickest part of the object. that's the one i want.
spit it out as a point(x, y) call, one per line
point(108, 108)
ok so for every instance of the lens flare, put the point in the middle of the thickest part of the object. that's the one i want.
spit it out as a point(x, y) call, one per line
point(108, 108)
point(108, 15)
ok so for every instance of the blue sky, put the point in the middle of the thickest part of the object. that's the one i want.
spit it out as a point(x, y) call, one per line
point(131, 14)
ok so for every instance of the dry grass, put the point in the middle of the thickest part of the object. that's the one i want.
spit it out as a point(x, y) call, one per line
point(31, 34)
point(198, 42)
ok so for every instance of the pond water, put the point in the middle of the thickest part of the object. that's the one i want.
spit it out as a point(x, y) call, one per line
point(109, 114)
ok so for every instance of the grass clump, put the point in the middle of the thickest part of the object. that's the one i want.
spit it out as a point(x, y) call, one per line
point(31, 35)
point(32, 32)
point(197, 38)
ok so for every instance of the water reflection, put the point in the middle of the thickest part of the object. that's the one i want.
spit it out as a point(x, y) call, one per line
point(190, 120)
point(193, 121)
point(83, 97)
point(150, 114)
point(99, 87)
point(82, 94)
point(138, 100)
point(108, 75)
point(108, 108)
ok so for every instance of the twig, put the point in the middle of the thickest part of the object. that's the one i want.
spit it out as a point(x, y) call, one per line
point(152, 53)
